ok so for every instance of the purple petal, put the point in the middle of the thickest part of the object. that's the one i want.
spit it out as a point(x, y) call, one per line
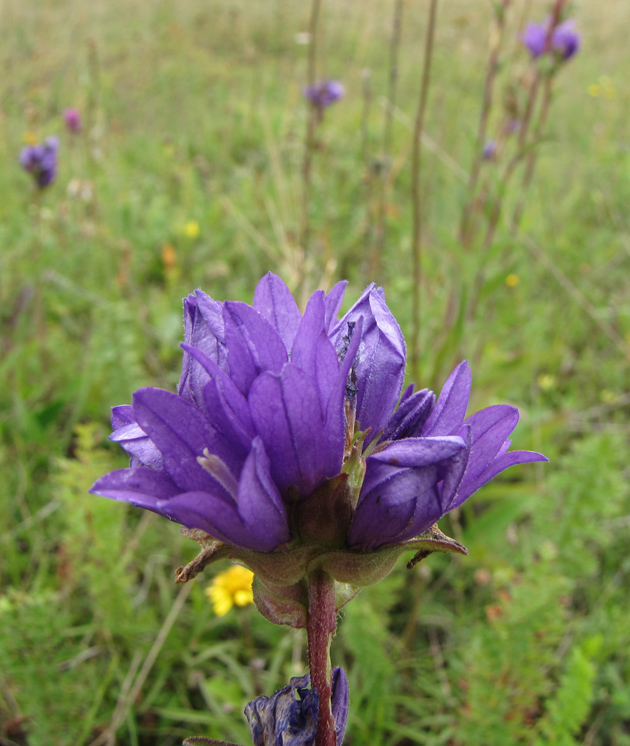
point(142, 487)
point(122, 415)
point(415, 452)
point(412, 413)
point(273, 301)
point(313, 350)
point(470, 486)
point(287, 415)
point(138, 445)
point(253, 345)
point(333, 302)
point(181, 433)
point(490, 429)
point(259, 502)
point(340, 702)
point(400, 503)
point(449, 412)
point(380, 365)
point(224, 404)
point(212, 512)
point(204, 330)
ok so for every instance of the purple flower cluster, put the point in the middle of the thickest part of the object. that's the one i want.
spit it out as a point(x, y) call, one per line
point(565, 41)
point(41, 161)
point(324, 93)
point(283, 720)
point(273, 405)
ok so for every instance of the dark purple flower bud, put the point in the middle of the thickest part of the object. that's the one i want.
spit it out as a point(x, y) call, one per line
point(324, 93)
point(289, 717)
point(72, 118)
point(41, 161)
point(489, 150)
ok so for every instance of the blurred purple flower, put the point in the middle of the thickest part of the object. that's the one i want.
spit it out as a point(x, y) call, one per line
point(565, 41)
point(489, 150)
point(265, 417)
point(324, 93)
point(72, 118)
point(41, 161)
point(284, 720)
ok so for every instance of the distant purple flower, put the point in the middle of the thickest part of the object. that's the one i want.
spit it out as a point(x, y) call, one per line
point(489, 150)
point(72, 118)
point(324, 93)
point(284, 720)
point(265, 416)
point(41, 161)
point(565, 41)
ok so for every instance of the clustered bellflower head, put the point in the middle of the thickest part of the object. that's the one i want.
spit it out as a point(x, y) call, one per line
point(41, 161)
point(72, 118)
point(565, 41)
point(290, 446)
point(324, 93)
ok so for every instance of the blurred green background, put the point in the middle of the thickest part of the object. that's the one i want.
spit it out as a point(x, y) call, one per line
point(188, 173)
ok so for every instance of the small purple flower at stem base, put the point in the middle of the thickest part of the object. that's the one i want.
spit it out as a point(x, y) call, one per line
point(324, 93)
point(72, 118)
point(289, 717)
point(41, 161)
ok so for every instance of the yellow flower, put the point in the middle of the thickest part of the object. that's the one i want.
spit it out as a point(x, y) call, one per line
point(511, 281)
point(191, 229)
point(229, 588)
point(30, 138)
point(546, 381)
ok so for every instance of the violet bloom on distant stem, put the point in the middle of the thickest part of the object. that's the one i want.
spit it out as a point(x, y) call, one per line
point(324, 93)
point(564, 43)
point(489, 150)
point(41, 161)
point(72, 118)
point(289, 446)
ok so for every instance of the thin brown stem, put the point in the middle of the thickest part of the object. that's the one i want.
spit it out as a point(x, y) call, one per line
point(416, 243)
point(320, 627)
point(309, 143)
point(381, 223)
point(482, 130)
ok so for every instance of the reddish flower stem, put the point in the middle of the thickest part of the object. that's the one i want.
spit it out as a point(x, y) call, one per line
point(320, 627)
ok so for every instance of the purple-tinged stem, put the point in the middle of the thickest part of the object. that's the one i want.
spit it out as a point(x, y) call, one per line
point(320, 627)
point(416, 243)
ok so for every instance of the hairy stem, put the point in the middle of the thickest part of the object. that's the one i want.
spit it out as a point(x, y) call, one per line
point(320, 627)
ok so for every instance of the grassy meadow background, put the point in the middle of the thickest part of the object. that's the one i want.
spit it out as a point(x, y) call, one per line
point(188, 173)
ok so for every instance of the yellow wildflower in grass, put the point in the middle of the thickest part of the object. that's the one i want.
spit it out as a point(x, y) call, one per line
point(29, 138)
point(603, 87)
point(546, 381)
point(511, 281)
point(191, 229)
point(231, 588)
